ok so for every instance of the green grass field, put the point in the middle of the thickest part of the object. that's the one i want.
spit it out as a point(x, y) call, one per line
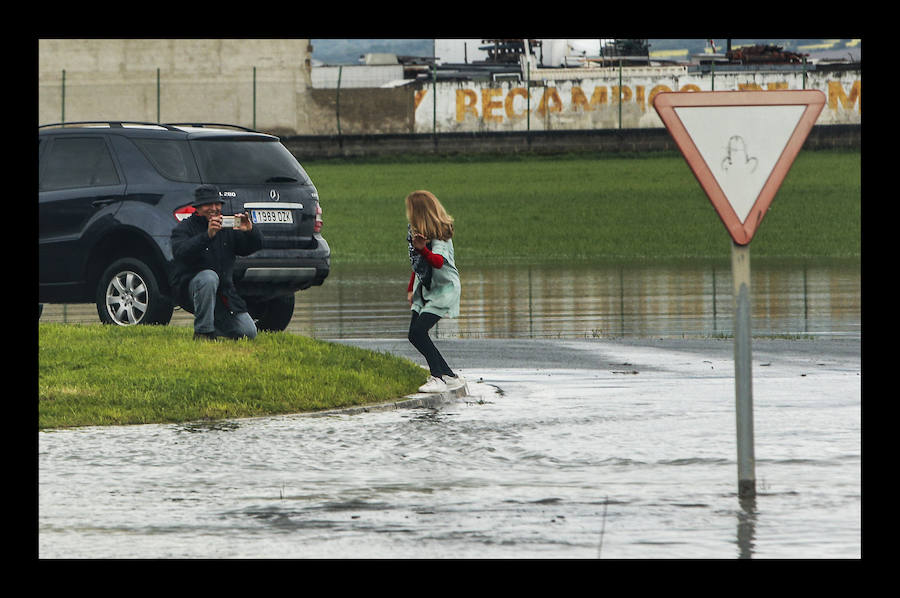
point(578, 208)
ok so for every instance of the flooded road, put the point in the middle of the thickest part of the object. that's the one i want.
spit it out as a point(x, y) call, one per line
point(618, 443)
point(597, 301)
point(594, 301)
point(627, 451)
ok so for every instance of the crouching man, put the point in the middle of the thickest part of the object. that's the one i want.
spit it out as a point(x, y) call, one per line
point(204, 252)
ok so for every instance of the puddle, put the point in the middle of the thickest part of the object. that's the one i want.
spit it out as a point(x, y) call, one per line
point(603, 301)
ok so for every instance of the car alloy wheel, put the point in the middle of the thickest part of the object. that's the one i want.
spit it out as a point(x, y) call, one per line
point(126, 298)
point(127, 293)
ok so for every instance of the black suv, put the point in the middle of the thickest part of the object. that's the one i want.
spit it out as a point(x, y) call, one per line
point(110, 194)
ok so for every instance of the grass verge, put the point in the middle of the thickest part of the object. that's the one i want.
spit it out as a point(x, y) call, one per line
point(577, 208)
point(109, 375)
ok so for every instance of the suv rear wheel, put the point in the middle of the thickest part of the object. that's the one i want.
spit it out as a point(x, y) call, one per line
point(273, 315)
point(128, 293)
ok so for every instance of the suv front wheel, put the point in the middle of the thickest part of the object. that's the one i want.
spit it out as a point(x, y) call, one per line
point(128, 293)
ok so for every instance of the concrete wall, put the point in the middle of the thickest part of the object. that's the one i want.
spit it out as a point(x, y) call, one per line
point(362, 111)
point(570, 100)
point(176, 80)
point(354, 76)
point(215, 81)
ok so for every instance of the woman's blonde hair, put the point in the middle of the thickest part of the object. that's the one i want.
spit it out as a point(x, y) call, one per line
point(427, 216)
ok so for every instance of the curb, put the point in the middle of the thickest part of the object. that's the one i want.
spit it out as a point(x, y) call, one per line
point(413, 401)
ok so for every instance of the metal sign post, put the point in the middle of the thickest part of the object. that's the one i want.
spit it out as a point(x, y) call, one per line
point(743, 375)
point(740, 146)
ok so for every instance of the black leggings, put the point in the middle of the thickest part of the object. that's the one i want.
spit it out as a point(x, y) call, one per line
point(419, 326)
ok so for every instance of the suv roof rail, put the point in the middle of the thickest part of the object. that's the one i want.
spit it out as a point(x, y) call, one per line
point(113, 124)
point(203, 125)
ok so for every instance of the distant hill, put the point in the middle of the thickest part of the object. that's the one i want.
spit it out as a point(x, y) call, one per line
point(804, 46)
point(349, 51)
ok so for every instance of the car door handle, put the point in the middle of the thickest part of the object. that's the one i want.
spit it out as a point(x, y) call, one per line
point(104, 202)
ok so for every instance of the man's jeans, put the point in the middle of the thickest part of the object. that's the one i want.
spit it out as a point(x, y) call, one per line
point(211, 315)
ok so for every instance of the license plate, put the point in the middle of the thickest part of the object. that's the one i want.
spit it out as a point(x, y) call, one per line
point(271, 217)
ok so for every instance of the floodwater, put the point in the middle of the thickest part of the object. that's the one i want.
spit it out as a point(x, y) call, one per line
point(595, 301)
point(600, 424)
point(604, 301)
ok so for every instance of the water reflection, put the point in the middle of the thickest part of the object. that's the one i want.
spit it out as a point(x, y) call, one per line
point(593, 301)
point(577, 301)
point(746, 527)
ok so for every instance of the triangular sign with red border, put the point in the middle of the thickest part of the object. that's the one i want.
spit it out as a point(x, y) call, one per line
point(740, 145)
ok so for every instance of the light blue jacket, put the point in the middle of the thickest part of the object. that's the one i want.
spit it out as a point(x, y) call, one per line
point(443, 297)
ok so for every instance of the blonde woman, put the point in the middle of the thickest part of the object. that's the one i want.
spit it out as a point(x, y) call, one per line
point(433, 291)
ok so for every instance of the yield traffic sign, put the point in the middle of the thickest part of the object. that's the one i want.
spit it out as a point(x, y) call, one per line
point(740, 145)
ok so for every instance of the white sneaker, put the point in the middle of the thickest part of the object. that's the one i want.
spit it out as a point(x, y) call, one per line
point(454, 383)
point(433, 385)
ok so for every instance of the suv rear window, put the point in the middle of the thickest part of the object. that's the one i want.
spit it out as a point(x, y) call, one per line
point(73, 162)
point(172, 158)
point(247, 162)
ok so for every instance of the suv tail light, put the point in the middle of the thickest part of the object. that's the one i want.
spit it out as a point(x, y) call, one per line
point(317, 227)
point(183, 212)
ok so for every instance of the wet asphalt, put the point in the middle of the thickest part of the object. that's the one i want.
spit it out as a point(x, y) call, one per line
point(592, 354)
point(488, 363)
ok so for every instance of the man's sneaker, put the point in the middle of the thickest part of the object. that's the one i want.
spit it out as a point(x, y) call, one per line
point(454, 382)
point(433, 385)
point(205, 336)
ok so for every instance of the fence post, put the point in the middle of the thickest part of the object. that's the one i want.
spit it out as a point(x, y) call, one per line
point(434, 100)
point(337, 100)
point(620, 93)
point(528, 94)
point(157, 96)
point(254, 98)
point(63, 117)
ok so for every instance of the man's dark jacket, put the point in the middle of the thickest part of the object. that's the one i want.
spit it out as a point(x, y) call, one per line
point(194, 251)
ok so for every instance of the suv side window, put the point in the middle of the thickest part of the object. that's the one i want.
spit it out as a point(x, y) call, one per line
point(73, 162)
point(172, 158)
